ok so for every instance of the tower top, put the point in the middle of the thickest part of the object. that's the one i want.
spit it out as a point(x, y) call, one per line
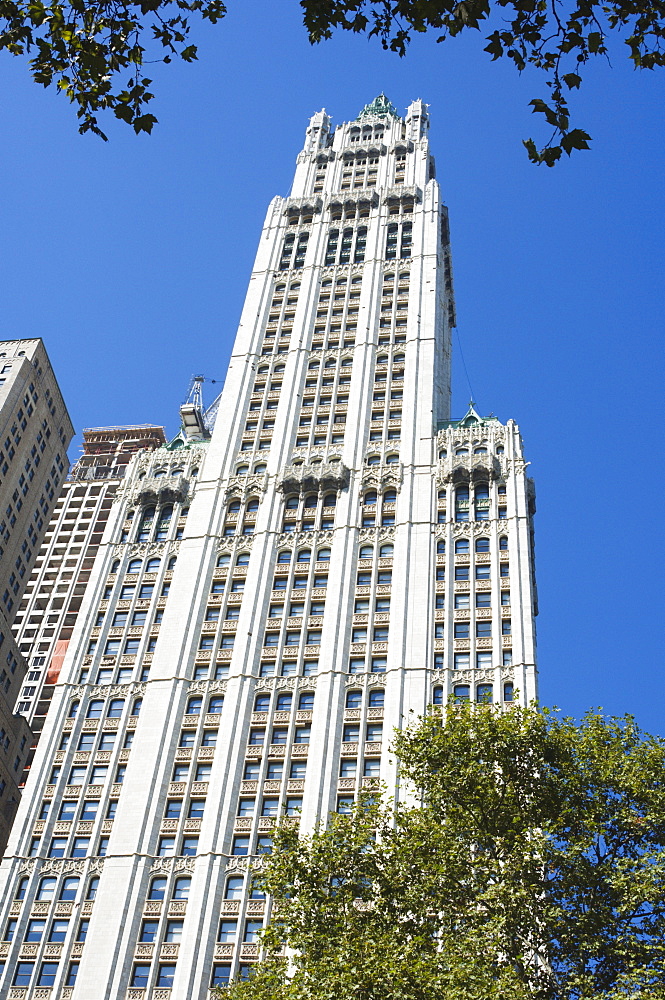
point(380, 107)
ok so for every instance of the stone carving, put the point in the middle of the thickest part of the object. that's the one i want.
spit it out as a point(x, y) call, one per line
point(380, 534)
point(240, 487)
point(175, 865)
point(329, 475)
point(305, 537)
point(204, 686)
point(468, 468)
point(285, 683)
point(403, 193)
point(159, 490)
point(62, 866)
point(382, 476)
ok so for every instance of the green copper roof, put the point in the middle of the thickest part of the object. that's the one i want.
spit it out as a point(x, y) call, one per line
point(470, 418)
point(379, 108)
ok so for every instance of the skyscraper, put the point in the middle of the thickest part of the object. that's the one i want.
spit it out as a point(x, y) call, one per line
point(35, 431)
point(337, 554)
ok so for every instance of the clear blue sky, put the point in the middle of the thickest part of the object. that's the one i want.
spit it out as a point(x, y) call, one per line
point(130, 258)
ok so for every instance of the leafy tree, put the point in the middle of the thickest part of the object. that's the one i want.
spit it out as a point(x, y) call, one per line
point(84, 47)
point(555, 38)
point(532, 866)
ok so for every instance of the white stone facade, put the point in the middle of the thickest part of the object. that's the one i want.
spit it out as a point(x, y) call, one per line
point(339, 555)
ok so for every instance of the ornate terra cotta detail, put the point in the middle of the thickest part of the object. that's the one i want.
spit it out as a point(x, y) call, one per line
point(160, 489)
point(315, 476)
point(469, 468)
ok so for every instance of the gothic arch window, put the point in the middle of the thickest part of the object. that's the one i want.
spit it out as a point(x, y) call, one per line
point(390, 496)
point(386, 551)
point(95, 709)
point(304, 555)
point(171, 562)
point(243, 559)
point(461, 451)
point(311, 501)
point(392, 459)
point(284, 557)
point(93, 886)
point(159, 473)
point(258, 469)
point(115, 708)
point(443, 453)
point(503, 543)
point(224, 559)
point(291, 502)
point(330, 500)
point(354, 699)
point(115, 566)
point(480, 451)
point(234, 507)
point(242, 470)
point(366, 552)
point(370, 498)
point(194, 706)
point(437, 696)
point(252, 504)
point(374, 460)
point(73, 710)
point(461, 692)
point(482, 544)
point(323, 555)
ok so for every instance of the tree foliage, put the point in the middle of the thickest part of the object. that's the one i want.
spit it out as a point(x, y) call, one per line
point(84, 48)
point(532, 867)
point(553, 37)
point(95, 51)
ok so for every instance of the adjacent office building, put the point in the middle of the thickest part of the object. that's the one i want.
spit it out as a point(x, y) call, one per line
point(35, 431)
point(269, 601)
point(47, 614)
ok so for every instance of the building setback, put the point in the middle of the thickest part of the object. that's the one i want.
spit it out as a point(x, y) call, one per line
point(339, 554)
point(35, 431)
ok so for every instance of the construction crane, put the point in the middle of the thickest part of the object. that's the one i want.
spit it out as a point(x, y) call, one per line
point(197, 423)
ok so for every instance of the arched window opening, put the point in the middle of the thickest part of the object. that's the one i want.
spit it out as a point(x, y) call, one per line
point(304, 555)
point(484, 694)
point(461, 545)
point(437, 696)
point(145, 524)
point(330, 500)
point(284, 557)
point(482, 544)
point(165, 516)
point(354, 699)
point(157, 888)
point(152, 565)
point(461, 692)
point(115, 708)
point(366, 552)
point(386, 551)
point(440, 546)
point(323, 555)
